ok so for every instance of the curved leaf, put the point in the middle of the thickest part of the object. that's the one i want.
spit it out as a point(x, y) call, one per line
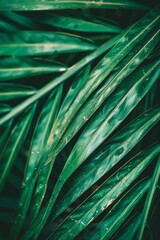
point(5, 131)
point(115, 110)
point(18, 20)
point(104, 196)
point(31, 43)
point(137, 89)
point(106, 157)
point(53, 84)
point(129, 230)
point(12, 5)
point(99, 74)
point(79, 24)
point(14, 68)
point(7, 27)
point(121, 210)
point(126, 66)
point(40, 137)
point(13, 145)
point(11, 91)
point(72, 92)
point(148, 202)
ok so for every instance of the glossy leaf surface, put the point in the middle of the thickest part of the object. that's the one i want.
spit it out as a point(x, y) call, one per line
point(12, 5)
point(121, 102)
point(104, 196)
point(121, 210)
point(40, 137)
point(11, 149)
point(149, 200)
point(28, 43)
point(12, 91)
point(106, 157)
point(79, 24)
point(98, 75)
point(53, 84)
point(15, 68)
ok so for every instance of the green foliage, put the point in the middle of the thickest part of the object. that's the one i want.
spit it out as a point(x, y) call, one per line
point(79, 115)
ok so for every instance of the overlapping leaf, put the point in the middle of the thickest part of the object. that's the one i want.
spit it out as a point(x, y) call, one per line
point(93, 104)
point(79, 24)
point(99, 74)
point(106, 157)
point(41, 134)
point(67, 4)
point(119, 213)
point(104, 196)
point(31, 43)
point(53, 84)
point(12, 146)
point(116, 108)
point(14, 68)
point(148, 203)
point(11, 91)
point(129, 230)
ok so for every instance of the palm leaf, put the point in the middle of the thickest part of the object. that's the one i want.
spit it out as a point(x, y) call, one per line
point(104, 196)
point(129, 230)
point(106, 157)
point(79, 24)
point(53, 84)
point(65, 4)
point(40, 137)
point(31, 43)
point(12, 147)
point(106, 65)
point(15, 68)
point(10, 91)
point(112, 116)
point(79, 114)
point(121, 210)
point(148, 202)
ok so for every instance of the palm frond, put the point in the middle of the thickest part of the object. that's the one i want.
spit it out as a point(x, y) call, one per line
point(79, 115)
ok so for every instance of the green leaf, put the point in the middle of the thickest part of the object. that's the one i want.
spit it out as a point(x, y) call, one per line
point(18, 20)
point(106, 157)
point(124, 99)
point(7, 27)
point(129, 230)
point(26, 5)
point(13, 145)
point(31, 43)
point(149, 200)
point(39, 140)
point(4, 108)
point(72, 92)
point(120, 211)
point(45, 173)
point(114, 111)
point(120, 62)
point(126, 66)
point(105, 195)
point(79, 24)
point(5, 131)
point(59, 80)
point(121, 108)
point(48, 118)
point(155, 53)
point(14, 68)
point(11, 91)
